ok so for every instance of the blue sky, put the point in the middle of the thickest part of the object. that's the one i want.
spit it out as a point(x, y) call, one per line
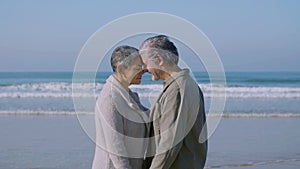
point(250, 35)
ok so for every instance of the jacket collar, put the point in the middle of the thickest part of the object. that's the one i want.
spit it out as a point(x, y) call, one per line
point(171, 79)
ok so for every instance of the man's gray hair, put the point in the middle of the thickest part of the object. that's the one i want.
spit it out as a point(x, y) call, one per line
point(160, 45)
point(123, 55)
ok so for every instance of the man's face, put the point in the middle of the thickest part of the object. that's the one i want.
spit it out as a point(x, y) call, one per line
point(152, 67)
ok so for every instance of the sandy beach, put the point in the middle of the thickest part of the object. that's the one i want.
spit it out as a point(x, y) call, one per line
point(58, 142)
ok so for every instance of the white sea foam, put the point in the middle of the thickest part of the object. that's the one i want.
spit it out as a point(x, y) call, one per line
point(256, 115)
point(29, 112)
point(51, 90)
point(224, 115)
point(251, 92)
point(64, 90)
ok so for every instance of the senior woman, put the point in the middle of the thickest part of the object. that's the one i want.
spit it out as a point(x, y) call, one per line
point(120, 118)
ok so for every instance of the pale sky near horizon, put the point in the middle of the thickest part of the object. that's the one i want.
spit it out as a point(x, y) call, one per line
point(249, 35)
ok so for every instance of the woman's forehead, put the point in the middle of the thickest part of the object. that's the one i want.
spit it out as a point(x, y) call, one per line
point(138, 61)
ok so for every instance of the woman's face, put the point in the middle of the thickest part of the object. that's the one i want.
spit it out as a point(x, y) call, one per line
point(134, 72)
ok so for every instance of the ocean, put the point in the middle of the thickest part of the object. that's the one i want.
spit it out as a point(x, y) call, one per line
point(39, 129)
point(247, 94)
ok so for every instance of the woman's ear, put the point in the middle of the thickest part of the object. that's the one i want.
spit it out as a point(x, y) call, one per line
point(120, 71)
point(160, 60)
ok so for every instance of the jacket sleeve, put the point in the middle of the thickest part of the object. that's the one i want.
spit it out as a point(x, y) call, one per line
point(112, 124)
point(171, 130)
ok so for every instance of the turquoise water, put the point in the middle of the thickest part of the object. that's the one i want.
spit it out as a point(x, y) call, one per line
point(254, 79)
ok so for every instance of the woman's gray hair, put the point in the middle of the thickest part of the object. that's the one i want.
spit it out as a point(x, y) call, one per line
point(123, 55)
point(160, 45)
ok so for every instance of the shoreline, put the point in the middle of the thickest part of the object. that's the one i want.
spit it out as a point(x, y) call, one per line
point(212, 115)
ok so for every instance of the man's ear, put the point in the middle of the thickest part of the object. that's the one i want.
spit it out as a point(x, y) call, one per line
point(119, 68)
point(160, 60)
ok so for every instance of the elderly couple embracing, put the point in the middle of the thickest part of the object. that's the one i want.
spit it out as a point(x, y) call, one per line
point(128, 135)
